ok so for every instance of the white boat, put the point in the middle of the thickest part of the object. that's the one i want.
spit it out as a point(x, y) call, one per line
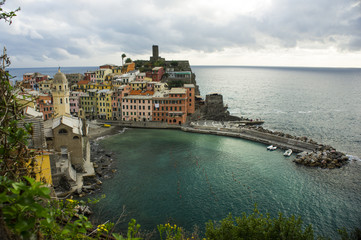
point(287, 153)
point(271, 148)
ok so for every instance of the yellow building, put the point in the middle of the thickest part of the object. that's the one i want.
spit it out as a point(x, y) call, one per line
point(104, 106)
point(101, 74)
point(138, 85)
point(158, 87)
point(43, 169)
point(60, 92)
point(99, 86)
point(45, 86)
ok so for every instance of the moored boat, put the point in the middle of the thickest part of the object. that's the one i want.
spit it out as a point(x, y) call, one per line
point(287, 153)
point(271, 148)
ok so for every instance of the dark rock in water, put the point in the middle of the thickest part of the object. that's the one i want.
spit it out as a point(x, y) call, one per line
point(329, 158)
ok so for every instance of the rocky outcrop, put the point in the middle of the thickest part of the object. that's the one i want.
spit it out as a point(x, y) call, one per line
point(104, 169)
point(214, 109)
point(327, 157)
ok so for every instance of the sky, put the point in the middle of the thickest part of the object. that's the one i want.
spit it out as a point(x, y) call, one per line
point(306, 33)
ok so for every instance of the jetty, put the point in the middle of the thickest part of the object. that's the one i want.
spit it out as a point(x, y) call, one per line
point(238, 131)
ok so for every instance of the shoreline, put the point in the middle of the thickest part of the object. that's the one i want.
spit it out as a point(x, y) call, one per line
point(96, 130)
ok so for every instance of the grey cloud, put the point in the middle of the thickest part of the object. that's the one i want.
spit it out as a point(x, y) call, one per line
point(85, 28)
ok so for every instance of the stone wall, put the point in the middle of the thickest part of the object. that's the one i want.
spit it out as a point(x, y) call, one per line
point(256, 136)
point(160, 125)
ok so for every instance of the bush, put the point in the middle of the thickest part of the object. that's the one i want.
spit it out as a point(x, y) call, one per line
point(258, 226)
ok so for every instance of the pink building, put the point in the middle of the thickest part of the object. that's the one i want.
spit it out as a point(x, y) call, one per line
point(91, 76)
point(140, 77)
point(118, 94)
point(137, 106)
point(74, 100)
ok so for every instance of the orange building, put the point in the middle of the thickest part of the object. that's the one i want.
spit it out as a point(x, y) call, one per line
point(45, 105)
point(190, 98)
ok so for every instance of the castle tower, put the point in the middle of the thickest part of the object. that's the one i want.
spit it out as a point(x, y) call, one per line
point(155, 52)
point(60, 92)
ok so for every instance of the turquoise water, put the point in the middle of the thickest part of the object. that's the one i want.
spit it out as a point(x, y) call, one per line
point(185, 178)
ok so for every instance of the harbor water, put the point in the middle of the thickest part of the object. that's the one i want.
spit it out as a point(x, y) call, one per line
point(188, 179)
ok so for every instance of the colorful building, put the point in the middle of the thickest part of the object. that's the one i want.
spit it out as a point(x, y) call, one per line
point(138, 85)
point(137, 106)
point(45, 105)
point(60, 92)
point(170, 106)
point(45, 86)
point(101, 74)
point(75, 102)
point(118, 94)
point(156, 74)
point(88, 104)
point(104, 104)
point(91, 76)
point(190, 98)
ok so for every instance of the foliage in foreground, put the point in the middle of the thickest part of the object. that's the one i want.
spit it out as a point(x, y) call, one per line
point(258, 226)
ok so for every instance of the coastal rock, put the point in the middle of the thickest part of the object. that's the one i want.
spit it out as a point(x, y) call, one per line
point(328, 158)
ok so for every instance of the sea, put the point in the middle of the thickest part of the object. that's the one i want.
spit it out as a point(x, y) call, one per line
point(188, 179)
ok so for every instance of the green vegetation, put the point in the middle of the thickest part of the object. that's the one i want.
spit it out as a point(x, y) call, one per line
point(175, 83)
point(258, 226)
point(123, 56)
point(128, 60)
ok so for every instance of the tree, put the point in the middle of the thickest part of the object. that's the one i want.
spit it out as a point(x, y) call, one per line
point(7, 16)
point(128, 60)
point(123, 56)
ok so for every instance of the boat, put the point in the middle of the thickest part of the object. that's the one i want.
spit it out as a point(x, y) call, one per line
point(271, 148)
point(287, 153)
point(107, 125)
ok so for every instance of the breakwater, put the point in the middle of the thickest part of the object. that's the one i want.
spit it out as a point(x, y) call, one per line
point(256, 136)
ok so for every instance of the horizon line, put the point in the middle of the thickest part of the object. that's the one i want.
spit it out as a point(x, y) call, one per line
point(205, 65)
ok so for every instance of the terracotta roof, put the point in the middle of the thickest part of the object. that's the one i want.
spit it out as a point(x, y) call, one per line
point(83, 82)
point(139, 92)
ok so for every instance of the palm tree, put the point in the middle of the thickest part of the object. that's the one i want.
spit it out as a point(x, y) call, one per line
point(123, 56)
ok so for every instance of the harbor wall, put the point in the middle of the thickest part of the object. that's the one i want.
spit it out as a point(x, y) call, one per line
point(256, 136)
point(138, 124)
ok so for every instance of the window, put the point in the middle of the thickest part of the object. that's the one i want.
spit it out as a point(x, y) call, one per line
point(63, 131)
point(61, 101)
point(75, 137)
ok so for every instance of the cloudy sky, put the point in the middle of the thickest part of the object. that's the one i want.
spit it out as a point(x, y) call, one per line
point(317, 33)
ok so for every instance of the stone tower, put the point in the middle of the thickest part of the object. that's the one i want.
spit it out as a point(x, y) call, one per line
point(155, 52)
point(155, 57)
point(60, 92)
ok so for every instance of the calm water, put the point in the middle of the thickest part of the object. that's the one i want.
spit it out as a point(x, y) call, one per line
point(187, 179)
point(190, 178)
